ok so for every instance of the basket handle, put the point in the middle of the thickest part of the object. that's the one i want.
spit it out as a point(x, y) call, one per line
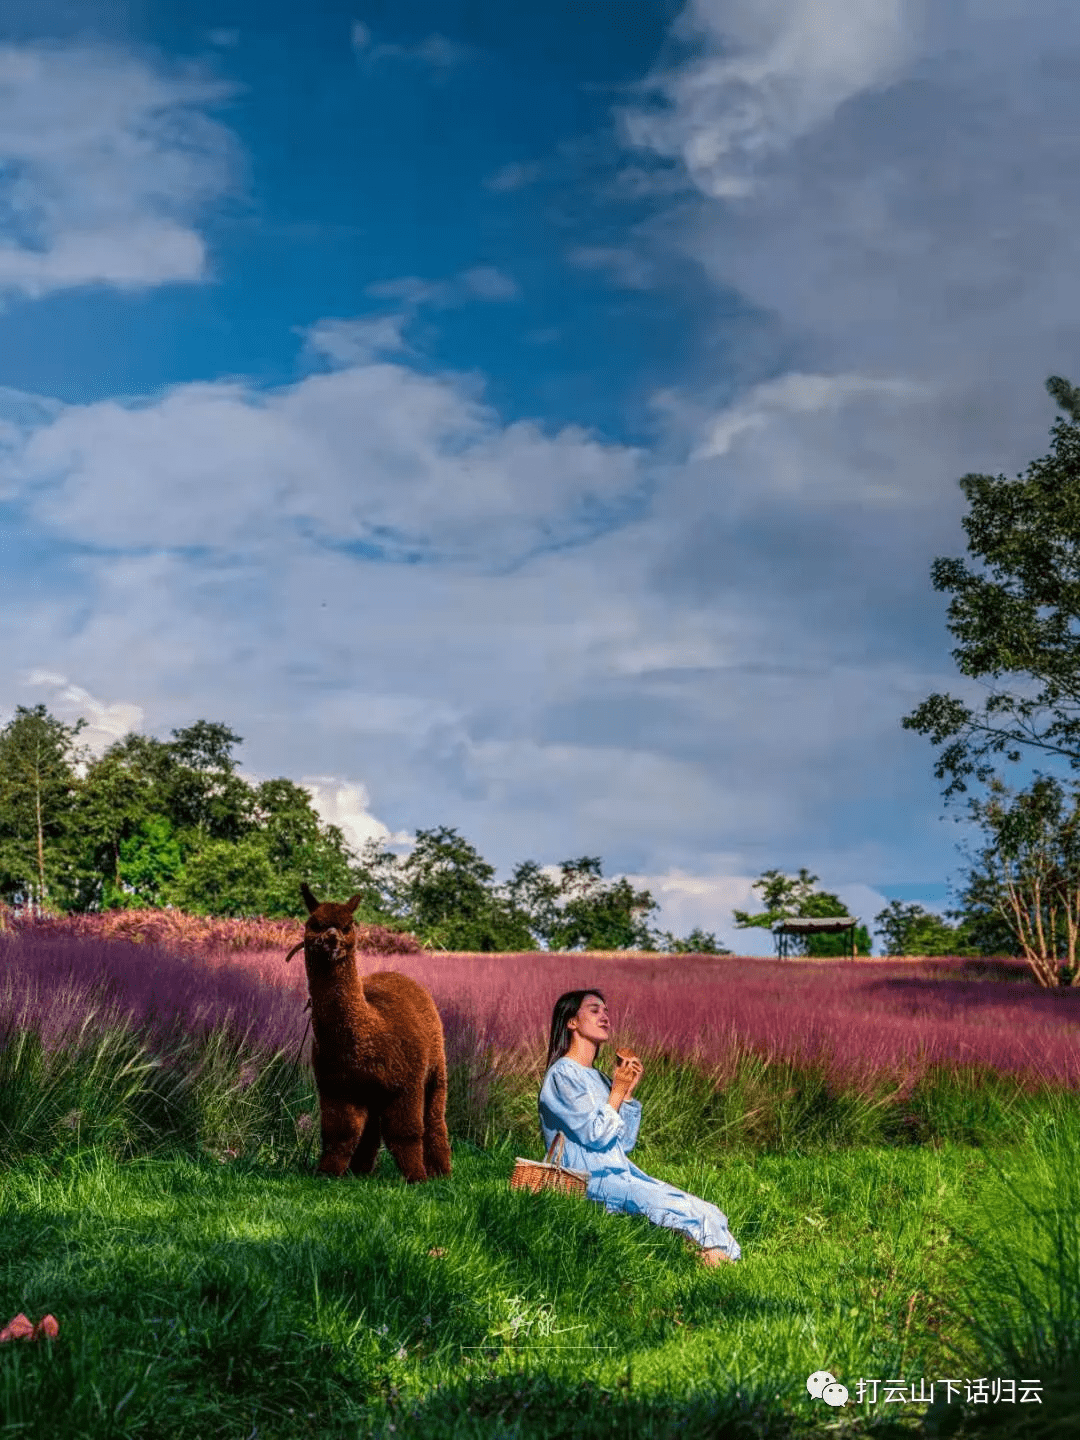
point(557, 1144)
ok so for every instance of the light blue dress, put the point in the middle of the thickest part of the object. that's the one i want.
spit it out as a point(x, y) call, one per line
point(574, 1099)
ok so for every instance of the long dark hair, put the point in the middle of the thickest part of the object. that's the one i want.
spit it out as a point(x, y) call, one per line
point(566, 1007)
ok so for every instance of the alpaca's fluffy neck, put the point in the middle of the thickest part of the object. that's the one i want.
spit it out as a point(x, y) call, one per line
point(341, 983)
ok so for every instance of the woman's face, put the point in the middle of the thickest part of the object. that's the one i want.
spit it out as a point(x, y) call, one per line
point(591, 1022)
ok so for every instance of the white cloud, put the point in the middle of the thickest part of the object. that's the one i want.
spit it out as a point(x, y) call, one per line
point(224, 38)
point(357, 342)
point(488, 283)
point(481, 282)
point(107, 721)
point(817, 439)
point(410, 290)
point(346, 804)
point(435, 50)
point(373, 455)
point(514, 176)
point(106, 163)
point(151, 253)
point(623, 266)
point(772, 71)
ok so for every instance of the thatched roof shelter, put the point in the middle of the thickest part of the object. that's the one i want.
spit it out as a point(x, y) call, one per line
point(826, 925)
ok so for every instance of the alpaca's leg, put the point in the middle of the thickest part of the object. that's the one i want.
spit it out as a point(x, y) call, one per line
point(403, 1134)
point(436, 1138)
point(363, 1160)
point(342, 1126)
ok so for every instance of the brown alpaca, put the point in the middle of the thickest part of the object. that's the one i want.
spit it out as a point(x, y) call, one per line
point(377, 1053)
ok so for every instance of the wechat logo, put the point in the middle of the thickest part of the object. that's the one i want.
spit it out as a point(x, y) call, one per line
point(823, 1386)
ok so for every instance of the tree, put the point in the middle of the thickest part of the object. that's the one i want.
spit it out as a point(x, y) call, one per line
point(38, 786)
point(231, 877)
point(821, 906)
point(300, 847)
point(783, 898)
point(146, 802)
point(912, 930)
point(1030, 873)
point(149, 863)
point(443, 891)
point(201, 789)
point(794, 898)
point(1019, 622)
point(598, 916)
point(698, 942)
point(113, 803)
point(536, 896)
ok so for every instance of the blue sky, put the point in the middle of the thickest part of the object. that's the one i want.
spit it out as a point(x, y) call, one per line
point(538, 419)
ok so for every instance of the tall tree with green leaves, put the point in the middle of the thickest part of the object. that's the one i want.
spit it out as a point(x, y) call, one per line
point(442, 890)
point(795, 898)
point(1021, 618)
point(203, 792)
point(598, 915)
point(1028, 875)
point(535, 895)
point(38, 786)
point(114, 803)
point(911, 929)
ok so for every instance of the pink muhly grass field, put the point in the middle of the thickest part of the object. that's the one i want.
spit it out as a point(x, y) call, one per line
point(207, 933)
point(857, 1020)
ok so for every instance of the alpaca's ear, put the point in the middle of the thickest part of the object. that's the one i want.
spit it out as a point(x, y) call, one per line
point(353, 903)
point(309, 898)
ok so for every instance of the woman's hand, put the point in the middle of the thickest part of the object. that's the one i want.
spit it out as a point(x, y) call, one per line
point(628, 1071)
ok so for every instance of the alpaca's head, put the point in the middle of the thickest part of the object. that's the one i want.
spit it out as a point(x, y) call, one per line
point(330, 934)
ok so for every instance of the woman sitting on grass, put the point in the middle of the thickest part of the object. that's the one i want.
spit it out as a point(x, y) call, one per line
point(600, 1123)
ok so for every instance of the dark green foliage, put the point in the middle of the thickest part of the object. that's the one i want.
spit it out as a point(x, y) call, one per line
point(148, 863)
point(698, 942)
point(38, 795)
point(152, 823)
point(794, 898)
point(1027, 879)
point(1020, 619)
point(912, 930)
point(442, 892)
point(595, 916)
point(536, 895)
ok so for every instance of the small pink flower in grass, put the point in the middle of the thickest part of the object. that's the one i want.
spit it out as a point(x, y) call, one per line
point(20, 1328)
point(305, 1122)
point(437, 1253)
point(17, 1329)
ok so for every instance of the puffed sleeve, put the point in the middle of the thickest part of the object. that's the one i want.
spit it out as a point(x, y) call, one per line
point(630, 1110)
point(571, 1107)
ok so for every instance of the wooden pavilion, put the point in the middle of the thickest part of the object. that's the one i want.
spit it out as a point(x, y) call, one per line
point(828, 925)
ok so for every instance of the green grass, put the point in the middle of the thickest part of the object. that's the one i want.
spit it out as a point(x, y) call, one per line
point(251, 1299)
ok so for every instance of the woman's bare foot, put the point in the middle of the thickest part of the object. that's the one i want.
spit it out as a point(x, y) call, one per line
point(714, 1257)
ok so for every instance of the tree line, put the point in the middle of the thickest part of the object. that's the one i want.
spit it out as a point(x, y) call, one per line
point(155, 822)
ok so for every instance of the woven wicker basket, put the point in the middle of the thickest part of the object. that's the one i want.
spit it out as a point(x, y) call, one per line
point(544, 1175)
